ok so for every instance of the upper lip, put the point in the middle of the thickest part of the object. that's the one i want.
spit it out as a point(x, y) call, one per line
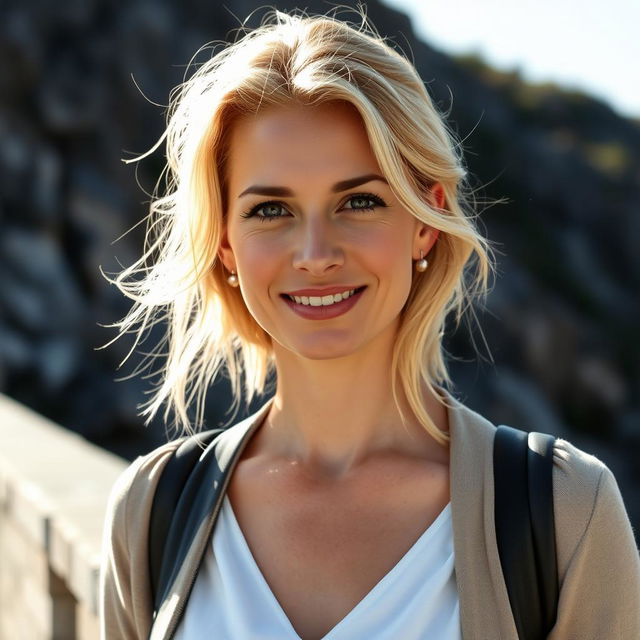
point(322, 291)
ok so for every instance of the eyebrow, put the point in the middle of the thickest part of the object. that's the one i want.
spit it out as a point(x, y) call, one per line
point(285, 192)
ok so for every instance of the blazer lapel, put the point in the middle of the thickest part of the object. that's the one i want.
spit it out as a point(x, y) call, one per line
point(485, 610)
point(223, 454)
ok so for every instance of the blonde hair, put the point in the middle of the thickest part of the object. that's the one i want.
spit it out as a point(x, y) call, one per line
point(302, 60)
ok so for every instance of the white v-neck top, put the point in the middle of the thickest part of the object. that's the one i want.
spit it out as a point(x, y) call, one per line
point(416, 600)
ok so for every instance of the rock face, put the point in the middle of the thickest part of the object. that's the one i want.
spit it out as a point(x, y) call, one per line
point(561, 321)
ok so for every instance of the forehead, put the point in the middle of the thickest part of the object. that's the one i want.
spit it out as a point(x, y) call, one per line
point(288, 145)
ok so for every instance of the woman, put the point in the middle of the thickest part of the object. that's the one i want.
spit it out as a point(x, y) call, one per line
point(315, 227)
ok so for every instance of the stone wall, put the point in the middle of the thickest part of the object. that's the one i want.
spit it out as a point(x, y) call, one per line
point(54, 487)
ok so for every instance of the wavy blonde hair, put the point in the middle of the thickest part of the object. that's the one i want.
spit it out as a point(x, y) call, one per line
point(302, 60)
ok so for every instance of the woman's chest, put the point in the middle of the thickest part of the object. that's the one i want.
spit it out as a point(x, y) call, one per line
point(323, 546)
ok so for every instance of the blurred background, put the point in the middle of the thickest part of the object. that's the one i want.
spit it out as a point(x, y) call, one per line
point(559, 345)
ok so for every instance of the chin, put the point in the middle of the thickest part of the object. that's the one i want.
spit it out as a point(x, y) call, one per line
point(325, 355)
point(322, 349)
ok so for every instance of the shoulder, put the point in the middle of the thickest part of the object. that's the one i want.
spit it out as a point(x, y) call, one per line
point(139, 478)
point(577, 479)
point(573, 465)
point(584, 490)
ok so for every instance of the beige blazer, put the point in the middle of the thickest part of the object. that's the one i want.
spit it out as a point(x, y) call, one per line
point(598, 561)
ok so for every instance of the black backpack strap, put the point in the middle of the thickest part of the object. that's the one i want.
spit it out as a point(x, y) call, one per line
point(525, 528)
point(170, 487)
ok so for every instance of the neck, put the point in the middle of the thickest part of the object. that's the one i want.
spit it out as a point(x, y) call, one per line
point(333, 415)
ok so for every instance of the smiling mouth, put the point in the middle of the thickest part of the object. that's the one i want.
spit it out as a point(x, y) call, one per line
point(323, 301)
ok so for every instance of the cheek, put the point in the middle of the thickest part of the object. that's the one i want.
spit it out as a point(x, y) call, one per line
point(259, 258)
point(256, 258)
point(388, 250)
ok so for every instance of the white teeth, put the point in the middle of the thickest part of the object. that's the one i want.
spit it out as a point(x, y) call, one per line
point(324, 301)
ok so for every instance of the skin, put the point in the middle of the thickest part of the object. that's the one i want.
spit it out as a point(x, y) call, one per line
point(334, 405)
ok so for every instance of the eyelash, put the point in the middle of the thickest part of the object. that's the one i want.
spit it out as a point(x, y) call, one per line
point(253, 211)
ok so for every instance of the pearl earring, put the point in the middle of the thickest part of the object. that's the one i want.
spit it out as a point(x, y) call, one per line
point(232, 279)
point(422, 264)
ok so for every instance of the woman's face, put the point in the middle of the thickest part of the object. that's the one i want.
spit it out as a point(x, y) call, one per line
point(322, 248)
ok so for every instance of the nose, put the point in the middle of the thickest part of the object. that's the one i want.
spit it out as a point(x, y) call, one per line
point(318, 250)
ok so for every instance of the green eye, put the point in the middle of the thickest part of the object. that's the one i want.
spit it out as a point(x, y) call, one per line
point(265, 211)
point(364, 202)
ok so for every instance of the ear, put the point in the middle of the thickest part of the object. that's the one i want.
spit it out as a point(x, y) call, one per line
point(225, 252)
point(437, 196)
point(426, 236)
